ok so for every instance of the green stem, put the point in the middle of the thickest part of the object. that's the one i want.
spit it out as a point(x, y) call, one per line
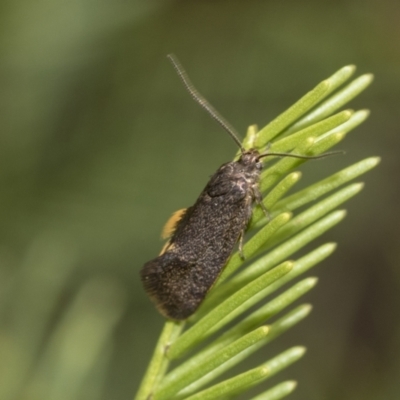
point(159, 362)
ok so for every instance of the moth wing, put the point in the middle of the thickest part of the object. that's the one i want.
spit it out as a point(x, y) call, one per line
point(168, 281)
point(173, 222)
point(219, 186)
point(166, 247)
point(171, 226)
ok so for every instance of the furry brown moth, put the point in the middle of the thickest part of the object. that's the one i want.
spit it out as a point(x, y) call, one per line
point(202, 237)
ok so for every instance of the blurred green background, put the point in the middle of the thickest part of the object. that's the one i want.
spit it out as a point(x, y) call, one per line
point(100, 144)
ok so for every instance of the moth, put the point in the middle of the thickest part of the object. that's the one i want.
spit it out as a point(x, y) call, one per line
point(201, 238)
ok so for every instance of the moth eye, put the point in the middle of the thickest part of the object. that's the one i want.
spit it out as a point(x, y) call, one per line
point(259, 165)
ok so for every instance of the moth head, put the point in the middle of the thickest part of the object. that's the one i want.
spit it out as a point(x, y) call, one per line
point(251, 158)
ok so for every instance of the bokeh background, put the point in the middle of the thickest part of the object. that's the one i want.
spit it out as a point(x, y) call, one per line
point(100, 143)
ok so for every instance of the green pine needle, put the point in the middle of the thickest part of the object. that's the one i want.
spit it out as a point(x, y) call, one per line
point(277, 392)
point(309, 127)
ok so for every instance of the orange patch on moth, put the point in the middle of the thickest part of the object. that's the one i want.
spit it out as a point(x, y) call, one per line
point(170, 226)
point(167, 246)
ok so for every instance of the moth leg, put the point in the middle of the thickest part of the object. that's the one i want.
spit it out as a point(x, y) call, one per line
point(258, 198)
point(240, 248)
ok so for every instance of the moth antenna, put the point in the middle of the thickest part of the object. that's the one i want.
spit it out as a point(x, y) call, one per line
point(330, 153)
point(202, 101)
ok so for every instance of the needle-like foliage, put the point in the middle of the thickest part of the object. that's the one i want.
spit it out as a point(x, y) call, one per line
point(234, 321)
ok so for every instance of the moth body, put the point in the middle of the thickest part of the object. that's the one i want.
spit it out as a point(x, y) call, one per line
point(203, 238)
